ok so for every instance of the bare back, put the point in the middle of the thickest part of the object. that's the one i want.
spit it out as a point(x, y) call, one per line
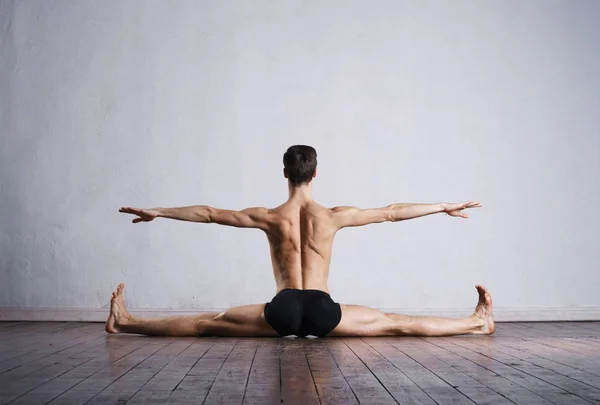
point(300, 232)
point(300, 236)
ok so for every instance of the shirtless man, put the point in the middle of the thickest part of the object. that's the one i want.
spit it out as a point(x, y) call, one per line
point(300, 234)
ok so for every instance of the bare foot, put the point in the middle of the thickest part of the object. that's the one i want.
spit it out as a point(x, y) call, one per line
point(483, 310)
point(118, 313)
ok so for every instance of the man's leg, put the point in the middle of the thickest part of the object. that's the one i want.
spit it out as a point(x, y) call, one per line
point(363, 321)
point(239, 321)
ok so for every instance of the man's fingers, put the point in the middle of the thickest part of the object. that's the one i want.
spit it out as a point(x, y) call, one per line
point(468, 204)
point(136, 220)
point(473, 204)
point(129, 210)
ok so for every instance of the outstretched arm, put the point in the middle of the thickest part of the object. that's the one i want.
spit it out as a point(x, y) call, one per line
point(247, 218)
point(352, 216)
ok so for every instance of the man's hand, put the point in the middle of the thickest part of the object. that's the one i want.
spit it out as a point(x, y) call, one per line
point(455, 209)
point(144, 215)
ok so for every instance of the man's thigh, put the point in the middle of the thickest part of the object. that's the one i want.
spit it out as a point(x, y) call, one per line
point(247, 320)
point(363, 321)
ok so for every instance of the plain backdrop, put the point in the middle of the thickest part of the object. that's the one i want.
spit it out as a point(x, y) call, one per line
point(170, 103)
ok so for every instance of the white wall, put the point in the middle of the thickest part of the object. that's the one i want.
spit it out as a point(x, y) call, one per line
point(155, 103)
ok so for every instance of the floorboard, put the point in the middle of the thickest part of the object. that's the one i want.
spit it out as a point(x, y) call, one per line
point(332, 386)
point(297, 382)
point(264, 381)
point(528, 363)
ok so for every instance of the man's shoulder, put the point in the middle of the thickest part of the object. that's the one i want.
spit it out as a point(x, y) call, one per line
point(322, 211)
point(341, 209)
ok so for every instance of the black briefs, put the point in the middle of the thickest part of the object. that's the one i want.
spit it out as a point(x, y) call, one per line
point(302, 313)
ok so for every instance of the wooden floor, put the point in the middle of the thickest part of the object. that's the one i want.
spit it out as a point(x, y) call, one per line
point(77, 363)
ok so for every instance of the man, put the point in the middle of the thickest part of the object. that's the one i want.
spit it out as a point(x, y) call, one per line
point(300, 234)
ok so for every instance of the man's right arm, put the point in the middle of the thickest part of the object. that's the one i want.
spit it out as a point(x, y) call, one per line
point(247, 218)
point(352, 216)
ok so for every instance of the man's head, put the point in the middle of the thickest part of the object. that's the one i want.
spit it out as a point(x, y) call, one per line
point(300, 164)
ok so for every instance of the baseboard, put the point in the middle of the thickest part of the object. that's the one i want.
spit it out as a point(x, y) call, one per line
point(500, 314)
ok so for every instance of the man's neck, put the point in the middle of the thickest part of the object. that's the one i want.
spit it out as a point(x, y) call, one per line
point(300, 193)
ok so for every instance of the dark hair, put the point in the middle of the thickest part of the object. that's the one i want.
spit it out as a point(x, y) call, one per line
point(300, 162)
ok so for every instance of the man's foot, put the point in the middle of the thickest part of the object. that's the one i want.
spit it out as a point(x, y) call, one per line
point(118, 313)
point(483, 311)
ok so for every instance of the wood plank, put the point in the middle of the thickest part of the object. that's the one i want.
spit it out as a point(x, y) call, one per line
point(439, 390)
point(30, 334)
point(331, 384)
point(134, 379)
point(98, 381)
point(523, 363)
point(579, 347)
point(547, 329)
point(364, 384)
point(20, 380)
point(548, 391)
point(18, 373)
point(9, 337)
point(100, 357)
point(419, 350)
point(169, 377)
point(29, 327)
point(53, 346)
point(561, 340)
point(559, 351)
point(398, 384)
point(150, 397)
point(33, 340)
point(10, 324)
point(197, 383)
point(264, 381)
point(540, 356)
point(297, 383)
point(516, 330)
point(508, 389)
point(591, 343)
point(564, 329)
point(230, 384)
point(575, 387)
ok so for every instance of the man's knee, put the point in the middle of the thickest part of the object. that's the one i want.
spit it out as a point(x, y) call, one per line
point(399, 317)
point(207, 326)
point(401, 325)
point(220, 316)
